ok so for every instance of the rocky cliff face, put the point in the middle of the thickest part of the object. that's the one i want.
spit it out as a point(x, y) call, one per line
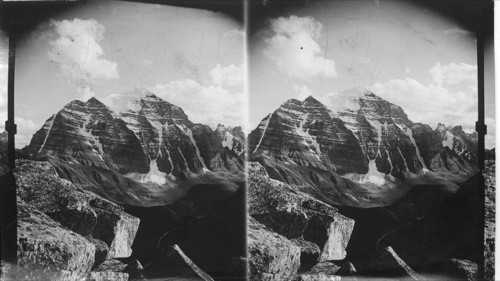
point(366, 145)
point(290, 232)
point(141, 142)
point(104, 224)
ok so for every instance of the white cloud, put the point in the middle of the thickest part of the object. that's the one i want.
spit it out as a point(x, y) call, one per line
point(453, 73)
point(434, 103)
point(78, 55)
point(26, 129)
point(234, 32)
point(295, 50)
point(146, 62)
point(456, 31)
point(231, 75)
point(85, 93)
point(208, 104)
point(490, 138)
point(303, 91)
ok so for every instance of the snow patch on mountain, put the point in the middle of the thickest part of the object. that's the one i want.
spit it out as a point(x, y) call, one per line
point(409, 132)
point(373, 176)
point(448, 140)
point(263, 126)
point(228, 140)
point(189, 133)
point(309, 141)
point(49, 128)
point(90, 139)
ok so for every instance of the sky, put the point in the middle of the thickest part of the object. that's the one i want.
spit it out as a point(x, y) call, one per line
point(407, 55)
point(191, 58)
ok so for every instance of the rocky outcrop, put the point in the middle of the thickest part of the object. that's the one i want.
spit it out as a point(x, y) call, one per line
point(331, 234)
point(321, 271)
point(271, 256)
point(47, 250)
point(107, 275)
point(309, 252)
point(489, 235)
point(78, 210)
point(296, 215)
point(461, 269)
point(317, 229)
point(135, 270)
point(109, 270)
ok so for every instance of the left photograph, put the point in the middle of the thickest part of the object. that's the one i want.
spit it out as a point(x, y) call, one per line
point(130, 146)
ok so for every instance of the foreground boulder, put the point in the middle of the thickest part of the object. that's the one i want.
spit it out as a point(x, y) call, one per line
point(297, 215)
point(109, 270)
point(271, 256)
point(47, 250)
point(321, 271)
point(331, 233)
point(309, 252)
point(461, 269)
point(78, 210)
point(107, 276)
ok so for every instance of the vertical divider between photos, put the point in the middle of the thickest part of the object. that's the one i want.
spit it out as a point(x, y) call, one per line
point(484, 11)
point(8, 206)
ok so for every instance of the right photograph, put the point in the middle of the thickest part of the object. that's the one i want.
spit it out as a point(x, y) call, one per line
point(363, 155)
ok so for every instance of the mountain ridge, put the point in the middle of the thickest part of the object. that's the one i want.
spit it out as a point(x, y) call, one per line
point(369, 142)
point(151, 141)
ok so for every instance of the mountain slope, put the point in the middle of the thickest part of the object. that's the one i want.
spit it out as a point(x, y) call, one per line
point(141, 151)
point(364, 153)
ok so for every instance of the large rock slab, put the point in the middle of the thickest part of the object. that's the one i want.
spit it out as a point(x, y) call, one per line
point(109, 270)
point(107, 276)
point(461, 269)
point(297, 215)
point(331, 234)
point(47, 250)
point(322, 271)
point(309, 252)
point(271, 256)
point(79, 210)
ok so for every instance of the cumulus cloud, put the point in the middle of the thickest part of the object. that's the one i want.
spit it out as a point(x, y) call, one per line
point(234, 32)
point(490, 138)
point(303, 92)
point(456, 31)
point(146, 62)
point(26, 129)
point(208, 104)
point(78, 55)
point(295, 50)
point(436, 102)
point(454, 73)
point(231, 75)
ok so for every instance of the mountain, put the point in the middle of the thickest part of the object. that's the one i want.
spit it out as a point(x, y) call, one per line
point(358, 150)
point(142, 150)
